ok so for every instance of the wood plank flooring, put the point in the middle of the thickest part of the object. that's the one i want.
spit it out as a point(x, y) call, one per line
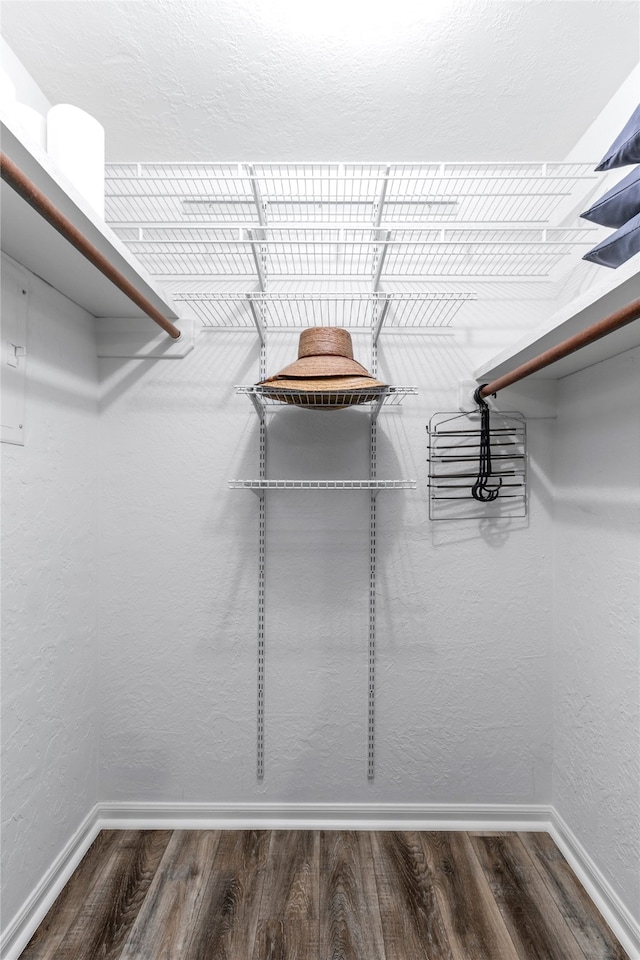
point(322, 895)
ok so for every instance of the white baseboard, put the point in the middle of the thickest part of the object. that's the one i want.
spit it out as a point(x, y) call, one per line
point(25, 923)
point(324, 816)
point(314, 816)
point(624, 926)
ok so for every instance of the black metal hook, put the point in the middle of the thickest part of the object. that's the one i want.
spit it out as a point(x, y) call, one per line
point(481, 490)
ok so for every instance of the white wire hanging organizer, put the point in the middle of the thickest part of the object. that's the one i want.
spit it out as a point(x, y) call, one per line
point(454, 455)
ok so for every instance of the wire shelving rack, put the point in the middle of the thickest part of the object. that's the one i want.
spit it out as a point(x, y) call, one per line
point(258, 194)
point(267, 246)
point(196, 227)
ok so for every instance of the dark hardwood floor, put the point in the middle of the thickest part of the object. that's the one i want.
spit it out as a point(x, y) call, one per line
point(322, 895)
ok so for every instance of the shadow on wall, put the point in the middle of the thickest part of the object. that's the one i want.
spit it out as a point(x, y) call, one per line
point(316, 540)
point(221, 358)
point(317, 593)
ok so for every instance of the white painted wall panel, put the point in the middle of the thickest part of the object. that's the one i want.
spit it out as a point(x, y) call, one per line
point(596, 774)
point(464, 610)
point(49, 597)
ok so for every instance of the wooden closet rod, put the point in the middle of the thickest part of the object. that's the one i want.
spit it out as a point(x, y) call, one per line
point(595, 332)
point(35, 198)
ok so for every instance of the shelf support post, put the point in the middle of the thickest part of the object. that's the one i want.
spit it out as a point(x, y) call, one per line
point(381, 197)
point(261, 632)
point(372, 608)
point(258, 320)
point(381, 258)
point(374, 416)
point(260, 206)
point(262, 556)
point(382, 313)
point(257, 257)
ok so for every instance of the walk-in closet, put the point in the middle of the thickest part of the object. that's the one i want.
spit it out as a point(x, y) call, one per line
point(320, 455)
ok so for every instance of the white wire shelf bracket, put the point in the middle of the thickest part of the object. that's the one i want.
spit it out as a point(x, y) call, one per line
point(283, 311)
point(375, 194)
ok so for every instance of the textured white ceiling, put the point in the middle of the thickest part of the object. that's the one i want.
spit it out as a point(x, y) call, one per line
point(263, 80)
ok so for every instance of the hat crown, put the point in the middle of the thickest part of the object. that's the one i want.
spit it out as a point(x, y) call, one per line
point(325, 341)
point(325, 369)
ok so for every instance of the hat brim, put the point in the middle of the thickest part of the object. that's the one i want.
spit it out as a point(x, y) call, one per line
point(325, 393)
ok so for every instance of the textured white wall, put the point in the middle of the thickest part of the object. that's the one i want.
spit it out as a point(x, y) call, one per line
point(596, 774)
point(49, 596)
point(466, 666)
point(463, 702)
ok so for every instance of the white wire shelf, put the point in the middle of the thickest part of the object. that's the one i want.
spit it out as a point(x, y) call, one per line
point(371, 485)
point(268, 227)
point(284, 311)
point(269, 398)
point(327, 252)
point(373, 194)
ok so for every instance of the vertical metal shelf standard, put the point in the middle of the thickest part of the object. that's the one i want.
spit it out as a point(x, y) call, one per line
point(261, 402)
point(262, 555)
point(260, 486)
point(373, 471)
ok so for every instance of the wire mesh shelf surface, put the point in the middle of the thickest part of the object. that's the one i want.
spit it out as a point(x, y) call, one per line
point(257, 194)
point(454, 458)
point(372, 485)
point(316, 252)
point(357, 309)
point(272, 397)
point(196, 226)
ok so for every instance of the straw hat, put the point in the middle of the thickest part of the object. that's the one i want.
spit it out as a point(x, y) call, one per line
point(325, 373)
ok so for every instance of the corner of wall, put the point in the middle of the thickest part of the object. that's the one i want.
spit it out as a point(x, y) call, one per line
point(607, 125)
point(27, 90)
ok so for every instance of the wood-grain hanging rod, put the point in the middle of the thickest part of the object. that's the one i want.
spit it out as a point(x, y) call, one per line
point(589, 335)
point(36, 199)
